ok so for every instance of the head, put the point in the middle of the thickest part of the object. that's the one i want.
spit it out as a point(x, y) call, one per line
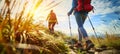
point(51, 11)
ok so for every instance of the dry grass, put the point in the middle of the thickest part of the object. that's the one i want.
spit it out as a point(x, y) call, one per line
point(30, 34)
point(20, 36)
point(110, 40)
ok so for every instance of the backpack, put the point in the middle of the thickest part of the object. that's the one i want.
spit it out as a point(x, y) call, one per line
point(52, 16)
point(84, 5)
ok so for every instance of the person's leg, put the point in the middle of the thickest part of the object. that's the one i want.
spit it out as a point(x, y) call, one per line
point(82, 32)
point(49, 26)
point(79, 23)
point(89, 43)
point(84, 16)
point(80, 18)
point(52, 26)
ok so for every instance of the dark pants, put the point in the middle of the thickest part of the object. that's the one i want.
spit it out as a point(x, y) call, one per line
point(51, 26)
point(80, 19)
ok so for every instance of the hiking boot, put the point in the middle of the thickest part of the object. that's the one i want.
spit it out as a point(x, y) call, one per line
point(79, 46)
point(51, 31)
point(89, 45)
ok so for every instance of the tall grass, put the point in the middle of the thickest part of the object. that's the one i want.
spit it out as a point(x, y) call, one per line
point(19, 35)
point(111, 41)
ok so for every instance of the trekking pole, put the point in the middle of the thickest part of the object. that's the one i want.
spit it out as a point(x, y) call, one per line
point(70, 26)
point(72, 43)
point(93, 29)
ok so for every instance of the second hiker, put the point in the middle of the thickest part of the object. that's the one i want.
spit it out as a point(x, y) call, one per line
point(52, 20)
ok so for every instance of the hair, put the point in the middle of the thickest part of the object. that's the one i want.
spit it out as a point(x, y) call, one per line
point(51, 11)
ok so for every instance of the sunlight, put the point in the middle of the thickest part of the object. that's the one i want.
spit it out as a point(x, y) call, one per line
point(40, 14)
point(33, 9)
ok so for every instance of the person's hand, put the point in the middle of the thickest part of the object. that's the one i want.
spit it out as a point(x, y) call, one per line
point(68, 13)
point(56, 22)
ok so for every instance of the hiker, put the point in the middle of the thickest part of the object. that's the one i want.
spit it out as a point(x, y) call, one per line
point(52, 20)
point(81, 15)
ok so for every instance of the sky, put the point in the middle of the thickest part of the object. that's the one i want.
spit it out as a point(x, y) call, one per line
point(106, 16)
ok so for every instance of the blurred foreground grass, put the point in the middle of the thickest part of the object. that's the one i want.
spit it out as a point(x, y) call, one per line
point(31, 39)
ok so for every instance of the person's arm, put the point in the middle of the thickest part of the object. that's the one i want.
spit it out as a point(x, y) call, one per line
point(74, 4)
point(70, 12)
point(56, 21)
point(48, 17)
point(56, 18)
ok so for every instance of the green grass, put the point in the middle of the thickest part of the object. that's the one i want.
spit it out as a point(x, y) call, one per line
point(109, 40)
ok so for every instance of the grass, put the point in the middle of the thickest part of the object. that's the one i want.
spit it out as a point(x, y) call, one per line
point(19, 35)
point(109, 40)
point(36, 35)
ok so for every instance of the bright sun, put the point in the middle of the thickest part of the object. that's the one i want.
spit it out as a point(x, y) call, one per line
point(39, 9)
